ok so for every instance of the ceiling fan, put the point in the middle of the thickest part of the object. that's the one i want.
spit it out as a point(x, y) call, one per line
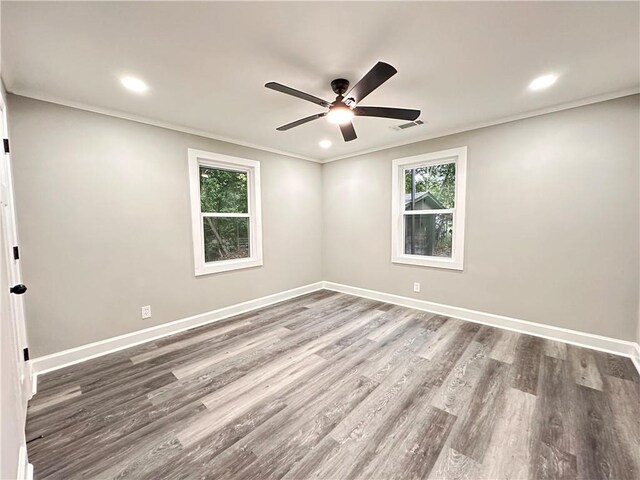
point(345, 107)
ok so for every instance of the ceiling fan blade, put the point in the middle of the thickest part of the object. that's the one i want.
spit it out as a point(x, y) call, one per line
point(348, 132)
point(387, 112)
point(302, 121)
point(297, 93)
point(380, 73)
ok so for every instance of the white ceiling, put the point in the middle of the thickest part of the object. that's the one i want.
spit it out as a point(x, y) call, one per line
point(462, 64)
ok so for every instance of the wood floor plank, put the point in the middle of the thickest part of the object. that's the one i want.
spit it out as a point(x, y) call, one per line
point(196, 461)
point(616, 366)
point(584, 366)
point(192, 368)
point(402, 316)
point(554, 349)
point(369, 421)
point(121, 360)
point(488, 337)
point(444, 335)
point(526, 364)
point(453, 465)
point(504, 349)
point(229, 405)
point(413, 450)
point(508, 454)
point(624, 400)
point(328, 406)
point(475, 427)
point(600, 450)
point(51, 401)
point(72, 413)
point(278, 451)
point(555, 408)
point(377, 321)
point(391, 413)
point(332, 386)
point(125, 451)
point(399, 346)
point(231, 370)
point(454, 394)
point(397, 448)
point(187, 342)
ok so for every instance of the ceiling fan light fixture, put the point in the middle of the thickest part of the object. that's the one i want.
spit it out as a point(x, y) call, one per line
point(340, 115)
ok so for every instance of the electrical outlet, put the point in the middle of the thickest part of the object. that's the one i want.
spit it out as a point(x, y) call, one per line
point(146, 311)
point(416, 287)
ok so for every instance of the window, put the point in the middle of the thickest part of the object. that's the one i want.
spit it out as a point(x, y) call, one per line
point(225, 212)
point(428, 194)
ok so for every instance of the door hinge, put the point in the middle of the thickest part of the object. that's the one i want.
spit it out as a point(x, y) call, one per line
point(16, 253)
point(6, 145)
point(25, 354)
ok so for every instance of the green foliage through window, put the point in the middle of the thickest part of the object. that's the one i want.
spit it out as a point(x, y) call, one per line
point(225, 238)
point(222, 191)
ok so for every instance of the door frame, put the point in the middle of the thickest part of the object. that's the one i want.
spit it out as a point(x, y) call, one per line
point(14, 275)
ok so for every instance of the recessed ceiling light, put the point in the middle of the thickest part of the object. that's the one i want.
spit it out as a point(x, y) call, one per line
point(134, 84)
point(543, 82)
point(325, 143)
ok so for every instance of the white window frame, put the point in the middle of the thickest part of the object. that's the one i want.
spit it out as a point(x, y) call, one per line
point(199, 158)
point(454, 155)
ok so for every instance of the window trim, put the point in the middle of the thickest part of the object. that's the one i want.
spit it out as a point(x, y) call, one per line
point(254, 210)
point(459, 157)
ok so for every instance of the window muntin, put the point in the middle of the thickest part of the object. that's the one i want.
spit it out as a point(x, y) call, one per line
point(225, 200)
point(428, 209)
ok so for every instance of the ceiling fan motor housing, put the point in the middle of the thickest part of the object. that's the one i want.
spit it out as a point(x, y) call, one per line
point(340, 86)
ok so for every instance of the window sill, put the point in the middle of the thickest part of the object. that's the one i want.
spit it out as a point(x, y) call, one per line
point(422, 261)
point(227, 265)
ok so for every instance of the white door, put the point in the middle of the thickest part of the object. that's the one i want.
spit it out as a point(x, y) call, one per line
point(13, 326)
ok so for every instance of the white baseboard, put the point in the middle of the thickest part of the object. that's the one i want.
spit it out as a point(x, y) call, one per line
point(635, 357)
point(581, 339)
point(65, 358)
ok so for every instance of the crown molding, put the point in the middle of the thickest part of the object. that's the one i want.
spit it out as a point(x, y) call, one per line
point(512, 118)
point(429, 136)
point(44, 97)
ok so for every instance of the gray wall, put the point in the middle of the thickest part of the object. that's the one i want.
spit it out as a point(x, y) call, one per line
point(552, 221)
point(104, 225)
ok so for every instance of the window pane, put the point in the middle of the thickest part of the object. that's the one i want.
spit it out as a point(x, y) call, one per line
point(429, 234)
point(225, 238)
point(430, 188)
point(223, 191)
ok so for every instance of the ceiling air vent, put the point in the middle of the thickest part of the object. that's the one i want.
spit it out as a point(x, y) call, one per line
point(408, 125)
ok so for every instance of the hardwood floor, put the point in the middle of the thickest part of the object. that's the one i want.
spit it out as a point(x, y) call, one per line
point(332, 386)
